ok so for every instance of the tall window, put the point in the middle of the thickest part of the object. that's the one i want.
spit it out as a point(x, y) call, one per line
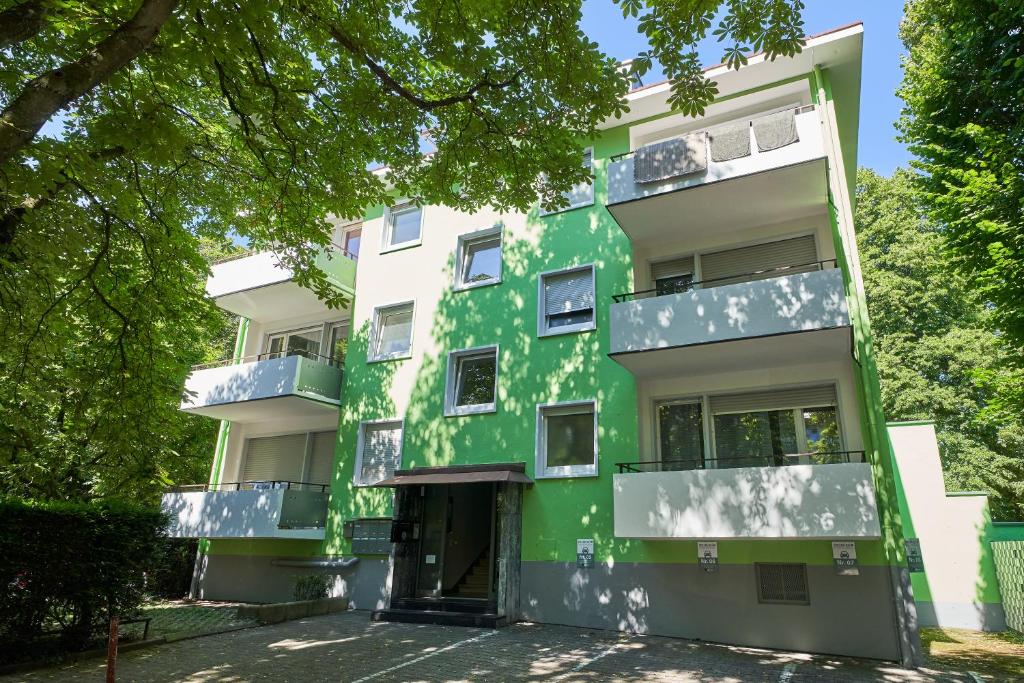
point(566, 301)
point(567, 439)
point(352, 239)
point(338, 343)
point(304, 343)
point(472, 379)
point(379, 451)
point(392, 332)
point(402, 226)
point(478, 259)
point(680, 426)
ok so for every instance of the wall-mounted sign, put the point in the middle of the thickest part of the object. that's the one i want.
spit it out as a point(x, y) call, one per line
point(707, 555)
point(430, 559)
point(584, 553)
point(844, 557)
point(915, 561)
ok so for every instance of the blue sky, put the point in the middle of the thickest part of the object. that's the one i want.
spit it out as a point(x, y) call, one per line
point(879, 150)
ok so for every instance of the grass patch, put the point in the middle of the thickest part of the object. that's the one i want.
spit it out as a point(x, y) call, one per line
point(996, 655)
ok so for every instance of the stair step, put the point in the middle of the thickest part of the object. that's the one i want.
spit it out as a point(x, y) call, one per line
point(414, 616)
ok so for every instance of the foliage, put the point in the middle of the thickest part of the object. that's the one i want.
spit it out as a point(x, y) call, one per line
point(964, 119)
point(65, 567)
point(937, 356)
point(172, 577)
point(136, 136)
point(312, 587)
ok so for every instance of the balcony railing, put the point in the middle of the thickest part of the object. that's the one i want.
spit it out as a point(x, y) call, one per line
point(336, 360)
point(261, 485)
point(730, 462)
point(751, 276)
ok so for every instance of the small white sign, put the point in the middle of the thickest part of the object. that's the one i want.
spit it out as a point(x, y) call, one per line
point(707, 555)
point(431, 559)
point(844, 557)
point(584, 553)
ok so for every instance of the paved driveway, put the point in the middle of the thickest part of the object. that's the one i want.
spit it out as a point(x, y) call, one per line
point(347, 647)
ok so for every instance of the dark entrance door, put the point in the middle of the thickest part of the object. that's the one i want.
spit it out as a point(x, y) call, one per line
point(457, 542)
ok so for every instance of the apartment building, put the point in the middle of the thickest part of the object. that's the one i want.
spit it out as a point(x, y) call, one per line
point(654, 410)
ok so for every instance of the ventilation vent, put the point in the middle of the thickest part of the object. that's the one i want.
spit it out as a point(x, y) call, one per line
point(784, 584)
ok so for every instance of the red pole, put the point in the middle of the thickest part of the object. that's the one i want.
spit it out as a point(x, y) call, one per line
point(112, 649)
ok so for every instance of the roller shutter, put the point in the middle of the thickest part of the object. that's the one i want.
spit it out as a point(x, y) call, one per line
point(739, 265)
point(804, 397)
point(274, 458)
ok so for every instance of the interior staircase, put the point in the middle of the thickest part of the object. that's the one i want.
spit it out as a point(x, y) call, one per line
point(473, 583)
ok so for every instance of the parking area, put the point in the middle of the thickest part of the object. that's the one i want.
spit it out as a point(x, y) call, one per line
point(347, 647)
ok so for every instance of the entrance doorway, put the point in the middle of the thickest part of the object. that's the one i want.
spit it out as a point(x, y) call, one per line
point(457, 542)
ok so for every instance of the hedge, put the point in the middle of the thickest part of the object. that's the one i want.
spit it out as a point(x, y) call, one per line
point(64, 567)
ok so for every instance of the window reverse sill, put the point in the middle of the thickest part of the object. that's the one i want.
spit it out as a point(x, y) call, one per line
point(568, 329)
point(482, 409)
point(385, 359)
point(401, 247)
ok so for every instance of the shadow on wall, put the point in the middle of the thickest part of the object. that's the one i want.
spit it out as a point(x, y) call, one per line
point(259, 380)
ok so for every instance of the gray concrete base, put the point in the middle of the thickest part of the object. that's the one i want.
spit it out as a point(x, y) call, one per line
point(253, 578)
point(976, 616)
point(847, 615)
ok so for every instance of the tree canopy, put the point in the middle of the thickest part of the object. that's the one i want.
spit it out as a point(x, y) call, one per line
point(936, 352)
point(964, 120)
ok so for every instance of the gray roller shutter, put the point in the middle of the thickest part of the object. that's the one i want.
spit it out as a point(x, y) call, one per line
point(804, 397)
point(740, 265)
point(321, 458)
point(567, 292)
point(673, 268)
point(382, 451)
point(274, 458)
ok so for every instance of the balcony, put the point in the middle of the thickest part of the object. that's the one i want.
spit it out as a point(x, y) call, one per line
point(807, 496)
point(790, 318)
point(257, 287)
point(265, 388)
point(709, 196)
point(267, 509)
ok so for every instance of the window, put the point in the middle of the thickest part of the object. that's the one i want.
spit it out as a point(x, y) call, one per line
point(338, 344)
point(680, 431)
point(782, 584)
point(672, 277)
point(567, 439)
point(472, 381)
point(392, 332)
point(378, 451)
point(402, 226)
point(583, 193)
point(353, 237)
point(478, 259)
point(566, 301)
point(304, 343)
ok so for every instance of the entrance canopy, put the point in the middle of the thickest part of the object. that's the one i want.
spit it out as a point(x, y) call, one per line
point(513, 472)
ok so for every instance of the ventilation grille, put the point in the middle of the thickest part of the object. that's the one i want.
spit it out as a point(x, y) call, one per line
point(782, 584)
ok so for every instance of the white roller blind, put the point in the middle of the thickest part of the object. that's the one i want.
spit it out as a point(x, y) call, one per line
point(382, 451)
point(274, 458)
point(798, 251)
point(673, 268)
point(804, 397)
point(567, 292)
point(321, 458)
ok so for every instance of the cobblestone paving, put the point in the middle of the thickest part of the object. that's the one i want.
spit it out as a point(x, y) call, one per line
point(347, 647)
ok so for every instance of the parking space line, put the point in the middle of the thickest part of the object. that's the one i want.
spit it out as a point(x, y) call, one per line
point(446, 648)
point(587, 662)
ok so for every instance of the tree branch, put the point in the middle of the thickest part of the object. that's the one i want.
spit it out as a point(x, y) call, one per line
point(22, 21)
point(47, 94)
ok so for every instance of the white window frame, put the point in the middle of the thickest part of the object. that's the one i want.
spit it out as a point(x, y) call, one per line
point(285, 334)
point(460, 257)
point(357, 480)
point(451, 382)
point(541, 470)
point(387, 230)
point(375, 321)
point(542, 317)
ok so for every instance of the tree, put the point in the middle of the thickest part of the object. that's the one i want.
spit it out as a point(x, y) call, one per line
point(936, 352)
point(132, 129)
point(964, 120)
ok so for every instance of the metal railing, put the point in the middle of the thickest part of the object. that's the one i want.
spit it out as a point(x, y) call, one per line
point(337, 361)
point(259, 485)
point(796, 110)
point(252, 252)
point(735, 279)
point(733, 462)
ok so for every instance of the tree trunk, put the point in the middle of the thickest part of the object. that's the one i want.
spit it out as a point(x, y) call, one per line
point(47, 94)
point(22, 21)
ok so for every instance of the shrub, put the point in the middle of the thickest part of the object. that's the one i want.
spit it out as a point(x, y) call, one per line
point(65, 567)
point(312, 587)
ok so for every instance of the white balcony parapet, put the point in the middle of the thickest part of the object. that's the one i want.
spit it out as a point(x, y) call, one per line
point(274, 513)
point(834, 501)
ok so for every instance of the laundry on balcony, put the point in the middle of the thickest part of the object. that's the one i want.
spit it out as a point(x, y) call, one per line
point(776, 130)
point(671, 158)
point(730, 141)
